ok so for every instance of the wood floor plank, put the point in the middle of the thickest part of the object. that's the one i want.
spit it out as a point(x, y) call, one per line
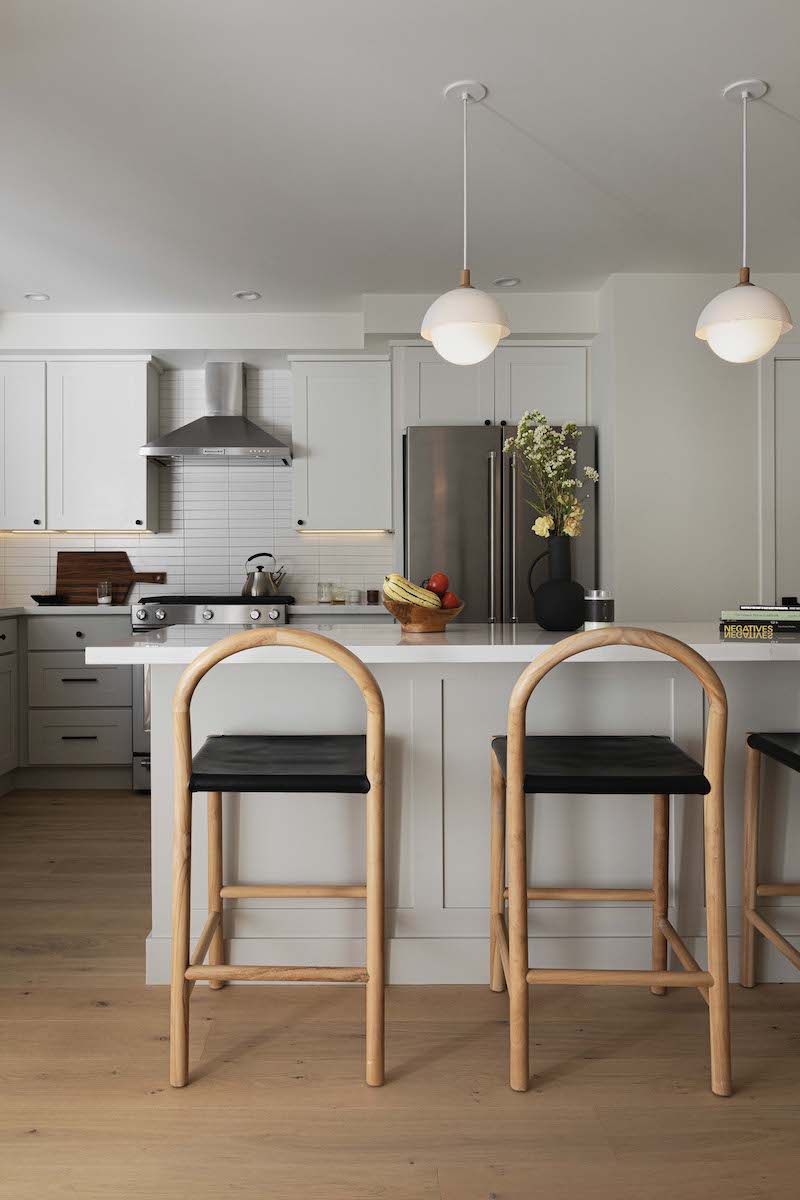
point(619, 1106)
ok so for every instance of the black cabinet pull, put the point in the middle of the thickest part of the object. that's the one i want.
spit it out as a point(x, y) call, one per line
point(2, 637)
point(79, 737)
point(78, 633)
point(36, 521)
point(78, 680)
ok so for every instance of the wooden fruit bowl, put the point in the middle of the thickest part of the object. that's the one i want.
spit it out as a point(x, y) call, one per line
point(414, 618)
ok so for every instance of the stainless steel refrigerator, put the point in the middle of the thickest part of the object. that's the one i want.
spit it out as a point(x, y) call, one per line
point(466, 514)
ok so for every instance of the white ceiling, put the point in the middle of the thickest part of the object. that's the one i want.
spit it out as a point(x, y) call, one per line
point(160, 154)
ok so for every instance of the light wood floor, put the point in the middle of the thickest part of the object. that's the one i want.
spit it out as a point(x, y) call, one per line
point(620, 1105)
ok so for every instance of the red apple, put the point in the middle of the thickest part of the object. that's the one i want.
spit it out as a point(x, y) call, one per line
point(438, 583)
point(450, 600)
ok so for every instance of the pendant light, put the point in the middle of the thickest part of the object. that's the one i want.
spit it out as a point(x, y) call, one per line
point(743, 323)
point(465, 324)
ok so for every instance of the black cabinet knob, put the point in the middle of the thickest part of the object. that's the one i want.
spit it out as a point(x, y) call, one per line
point(487, 422)
point(36, 521)
point(301, 522)
point(2, 637)
point(138, 522)
point(78, 633)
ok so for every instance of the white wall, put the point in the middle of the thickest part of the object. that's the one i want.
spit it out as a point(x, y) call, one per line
point(213, 516)
point(684, 514)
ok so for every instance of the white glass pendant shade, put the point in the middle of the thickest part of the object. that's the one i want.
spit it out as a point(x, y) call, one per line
point(743, 323)
point(465, 325)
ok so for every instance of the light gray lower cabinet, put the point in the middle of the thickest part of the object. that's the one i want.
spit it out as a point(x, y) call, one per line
point(79, 736)
point(77, 715)
point(61, 679)
point(9, 754)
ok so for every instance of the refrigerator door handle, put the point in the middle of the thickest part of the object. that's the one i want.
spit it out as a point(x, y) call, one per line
point(513, 520)
point(492, 536)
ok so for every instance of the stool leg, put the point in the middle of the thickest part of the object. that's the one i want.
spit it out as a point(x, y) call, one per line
point(752, 798)
point(660, 883)
point(717, 929)
point(375, 933)
point(179, 987)
point(216, 951)
point(497, 904)
point(517, 935)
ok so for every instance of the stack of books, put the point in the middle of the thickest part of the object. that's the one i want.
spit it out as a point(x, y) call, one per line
point(761, 622)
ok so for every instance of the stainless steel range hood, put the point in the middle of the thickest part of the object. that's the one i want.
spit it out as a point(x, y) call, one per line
point(224, 431)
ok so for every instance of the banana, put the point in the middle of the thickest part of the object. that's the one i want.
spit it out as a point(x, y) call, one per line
point(397, 587)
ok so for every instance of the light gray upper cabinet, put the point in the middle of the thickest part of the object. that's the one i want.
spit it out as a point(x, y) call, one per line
point(436, 392)
point(98, 416)
point(501, 388)
point(71, 433)
point(22, 441)
point(549, 378)
point(342, 444)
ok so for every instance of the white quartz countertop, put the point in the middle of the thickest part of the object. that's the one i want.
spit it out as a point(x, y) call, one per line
point(67, 610)
point(376, 643)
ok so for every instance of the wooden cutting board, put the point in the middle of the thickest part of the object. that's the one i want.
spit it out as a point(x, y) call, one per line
point(79, 572)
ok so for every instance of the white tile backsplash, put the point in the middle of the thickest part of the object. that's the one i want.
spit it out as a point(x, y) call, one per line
point(213, 517)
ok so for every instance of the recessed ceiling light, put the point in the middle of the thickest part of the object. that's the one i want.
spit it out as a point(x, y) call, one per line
point(247, 295)
point(506, 281)
point(36, 296)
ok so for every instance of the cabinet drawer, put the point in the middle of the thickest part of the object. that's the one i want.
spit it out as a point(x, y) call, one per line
point(8, 635)
point(72, 633)
point(79, 736)
point(62, 679)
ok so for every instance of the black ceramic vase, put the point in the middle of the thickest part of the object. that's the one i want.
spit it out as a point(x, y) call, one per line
point(558, 602)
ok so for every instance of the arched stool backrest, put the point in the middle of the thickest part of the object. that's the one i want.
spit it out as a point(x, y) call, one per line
point(181, 715)
point(713, 838)
point(283, 636)
point(620, 635)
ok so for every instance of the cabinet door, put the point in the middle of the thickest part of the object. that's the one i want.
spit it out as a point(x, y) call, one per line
point(550, 378)
point(22, 446)
point(341, 437)
point(96, 423)
point(8, 713)
point(435, 392)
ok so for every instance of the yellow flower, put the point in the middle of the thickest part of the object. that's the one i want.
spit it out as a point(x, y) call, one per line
point(572, 526)
point(543, 525)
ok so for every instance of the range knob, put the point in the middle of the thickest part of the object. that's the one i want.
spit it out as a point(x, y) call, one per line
point(141, 614)
point(207, 614)
point(255, 614)
point(160, 614)
point(274, 615)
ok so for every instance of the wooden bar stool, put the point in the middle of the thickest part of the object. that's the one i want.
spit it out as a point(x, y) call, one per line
point(608, 765)
point(785, 749)
point(262, 763)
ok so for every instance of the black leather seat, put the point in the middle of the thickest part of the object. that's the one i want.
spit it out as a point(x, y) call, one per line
point(783, 747)
point(296, 763)
point(630, 765)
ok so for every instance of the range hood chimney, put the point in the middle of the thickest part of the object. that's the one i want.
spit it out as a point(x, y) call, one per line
point(224, 431)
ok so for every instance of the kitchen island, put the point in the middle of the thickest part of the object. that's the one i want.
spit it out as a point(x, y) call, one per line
point(445, 695)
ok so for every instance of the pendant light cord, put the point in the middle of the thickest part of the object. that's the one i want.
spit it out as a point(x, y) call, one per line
point(745, 98)
point(465, 100)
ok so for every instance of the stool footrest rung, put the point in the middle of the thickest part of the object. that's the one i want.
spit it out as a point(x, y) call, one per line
point(646, 895)
point(778, 889)
point(246, 891)
point(621, 978)
point(280, 974)
point(771, 934)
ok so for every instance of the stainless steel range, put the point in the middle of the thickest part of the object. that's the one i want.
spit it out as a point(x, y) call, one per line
point(153, 612)
point(157, 612)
